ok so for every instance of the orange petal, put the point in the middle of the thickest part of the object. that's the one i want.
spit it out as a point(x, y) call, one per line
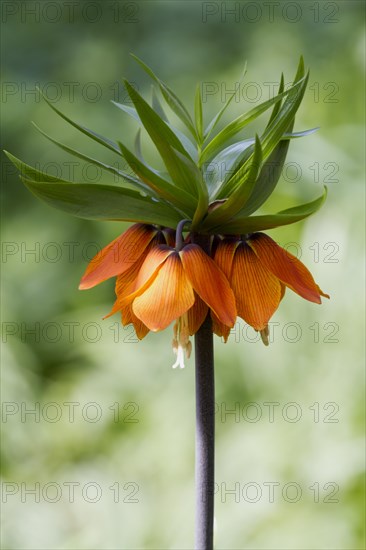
point(125, 283)
point(118, 256)
point(264, 333)
point(257, 290)
point(167, 297)
point(128, 317)
point(224, 255)
point(209, 282)
point(146, 273)
point(140, 329)
point(219, 328)
point(196, 315)
point(116, 307)
point(124, 286)
point(286, 267)
point(283, 290)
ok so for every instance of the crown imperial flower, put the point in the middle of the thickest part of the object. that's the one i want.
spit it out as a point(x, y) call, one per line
point(160, 278)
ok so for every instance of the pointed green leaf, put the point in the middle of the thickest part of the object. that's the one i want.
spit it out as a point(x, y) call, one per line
point(223, 165)
point(188, 175)
point(120, 173)
point(190, 149)
point(33, 173)
point(138, 148)
point(104, 202)
point(93, 135)
point(277, 106)
point(303, 133)
point(131, 111)
point(248, 171)
point(191, 174)
point(281, 126)
point(226, 163)
point(242, 184)
point(249, 224)
point(165, 140)
point(155, 126)
point(185, 141)
point(268, 178)
point(170, 97)
point(139, 155)
point(240, 122)
point(156, 105)
point(182, 200)
point(198, 114)
point(284, 120)
point(218, 116)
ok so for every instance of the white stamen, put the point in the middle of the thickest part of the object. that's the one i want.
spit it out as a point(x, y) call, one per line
point(180, 357)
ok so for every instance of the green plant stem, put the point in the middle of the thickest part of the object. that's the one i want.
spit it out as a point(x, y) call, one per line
point(205, 427)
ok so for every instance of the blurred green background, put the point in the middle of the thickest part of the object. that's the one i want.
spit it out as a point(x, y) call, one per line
point(109, 449)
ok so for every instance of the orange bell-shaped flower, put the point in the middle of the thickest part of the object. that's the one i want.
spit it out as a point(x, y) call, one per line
point(259, 271)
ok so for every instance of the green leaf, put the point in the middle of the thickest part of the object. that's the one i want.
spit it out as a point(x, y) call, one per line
point(104, 202)
point(165, 140)
point(242, 184)
point(268, 178)
point(156, 105)
point(191, 174)
point(182, 200)
point(240, 122)
point(190, 149)
point(281, 125)
point(120, 173)
point(170, 97)
point(198, 114)
point(244, 224)
point(284, 120)
point(225, 164)
point(33, 173)
point(185, 141)
point(138, 148)
point(252, 168)
point(155, 126)
point(277, 106)
point(93, 135)
point(139, 155)
point(218, 116)
point(131, 111)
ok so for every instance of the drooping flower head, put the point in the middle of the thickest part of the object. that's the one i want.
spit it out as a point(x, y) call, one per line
point(212, 186)
point(158, 284)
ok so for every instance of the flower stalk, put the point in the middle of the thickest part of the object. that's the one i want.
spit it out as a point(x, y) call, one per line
point(205, 436)
point(205, 426)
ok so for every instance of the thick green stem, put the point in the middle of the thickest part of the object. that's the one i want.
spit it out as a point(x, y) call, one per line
point(205, 427)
